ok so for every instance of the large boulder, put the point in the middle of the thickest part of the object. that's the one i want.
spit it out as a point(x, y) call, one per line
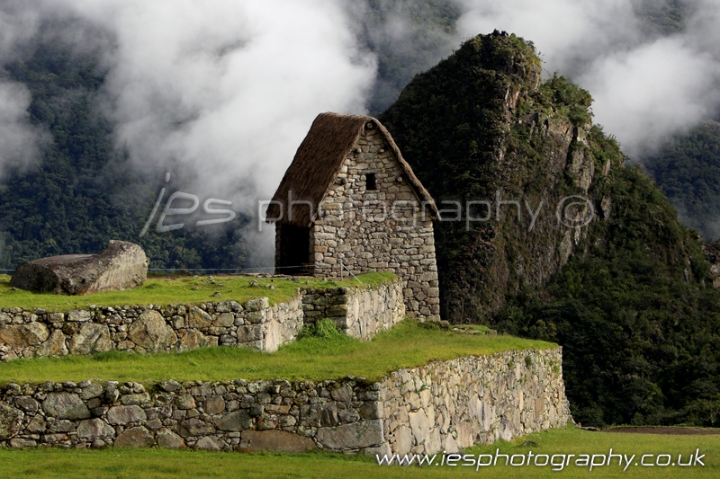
point(122, 265)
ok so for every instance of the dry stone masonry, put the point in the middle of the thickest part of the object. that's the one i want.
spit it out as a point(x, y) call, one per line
point(361, 314)
point(441, 406)
point(349, 202)
point(360, 311)
point(384, 229)
point(451, 405)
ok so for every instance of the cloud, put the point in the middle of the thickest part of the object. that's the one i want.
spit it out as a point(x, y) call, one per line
point(220, 93)
point(646, 87)
point(226, 91)
point(645, 95)
point(20, 141)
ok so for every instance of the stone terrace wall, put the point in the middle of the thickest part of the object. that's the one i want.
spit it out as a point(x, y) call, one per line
point(444, 405)
point(359, 312)
point(447, 406)
point(151, 329)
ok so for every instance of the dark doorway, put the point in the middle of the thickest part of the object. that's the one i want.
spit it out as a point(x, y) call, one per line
point(293, 249)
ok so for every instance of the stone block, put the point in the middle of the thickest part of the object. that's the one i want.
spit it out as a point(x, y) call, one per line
point(122, 415)
point(94, 428)
point(10, 421)
point(135, 437)
point(65, 406)
point(274, 440)
point(234, 421)
point(122, 265)
point(151, 332)
point(167, 439)
point(197, 318)
point(23, 335)
point(209, 443)
point(90, 339)
point(352, 436)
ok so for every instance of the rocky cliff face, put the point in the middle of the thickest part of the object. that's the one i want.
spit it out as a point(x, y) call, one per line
point(604, 267)
point(515, 164)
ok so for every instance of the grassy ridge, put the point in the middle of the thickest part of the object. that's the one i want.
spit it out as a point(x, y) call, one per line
point(408, 344)
point(160, 464)
point(181, 290)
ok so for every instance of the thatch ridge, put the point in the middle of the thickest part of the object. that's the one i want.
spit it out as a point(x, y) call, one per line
point(319, 159)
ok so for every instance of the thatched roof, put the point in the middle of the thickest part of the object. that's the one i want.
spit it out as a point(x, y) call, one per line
point(319, 159)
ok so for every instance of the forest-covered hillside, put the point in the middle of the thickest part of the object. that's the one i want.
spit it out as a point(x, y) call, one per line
point(81, 194)
point(633, 305)
point(628, 296)
point(687, 169)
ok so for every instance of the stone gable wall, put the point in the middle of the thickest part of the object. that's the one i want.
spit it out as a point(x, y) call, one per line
point(359, 311)
point(382, 230)
point(441, 406)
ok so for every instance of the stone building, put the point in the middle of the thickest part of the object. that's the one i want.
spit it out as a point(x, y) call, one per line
point(349, 202)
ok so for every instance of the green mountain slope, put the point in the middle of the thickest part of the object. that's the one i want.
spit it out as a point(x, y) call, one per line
point(687, 170)
point(82, 193)
point(627, 295)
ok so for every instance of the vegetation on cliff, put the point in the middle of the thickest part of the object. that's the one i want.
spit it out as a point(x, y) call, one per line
point(492, 144)
point(687, 170)
point(627, 296)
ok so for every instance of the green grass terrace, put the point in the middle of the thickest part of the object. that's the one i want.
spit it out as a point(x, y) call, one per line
point(188, 290)
point(161, 464)
point(332, 356)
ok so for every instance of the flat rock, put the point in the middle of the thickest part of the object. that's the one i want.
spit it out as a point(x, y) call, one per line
point(135, 437)
point(152, 332)
point(65, 406)
point(122, 265)
point(10, 421)
point(351, 436)
point(275, 440)
point(94, 428)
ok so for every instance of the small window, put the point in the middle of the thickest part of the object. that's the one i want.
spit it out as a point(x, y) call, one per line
point(370, 184)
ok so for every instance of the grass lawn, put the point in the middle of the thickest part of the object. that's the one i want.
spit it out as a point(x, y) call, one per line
point(180, 290)
point(155, 463)
point(408, 344)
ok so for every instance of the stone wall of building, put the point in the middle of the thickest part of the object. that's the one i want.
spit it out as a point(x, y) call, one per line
point(359, 311)
point(440, 406)
point(380, 230)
